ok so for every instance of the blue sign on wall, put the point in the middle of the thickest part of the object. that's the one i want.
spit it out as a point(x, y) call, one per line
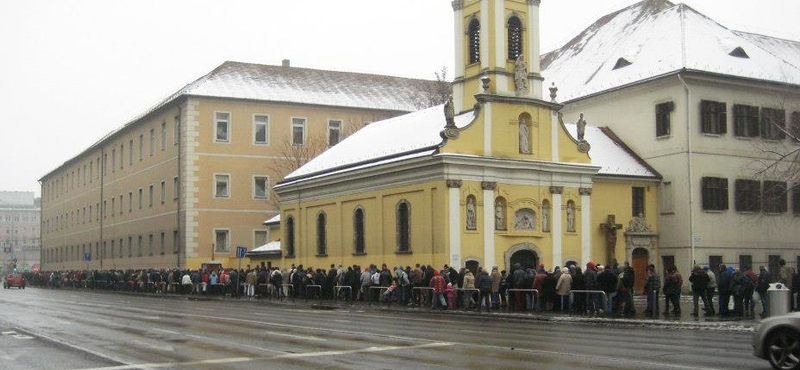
point(87, 256)
point(241, 251)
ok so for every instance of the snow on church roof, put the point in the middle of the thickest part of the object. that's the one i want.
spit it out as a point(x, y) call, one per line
point(417, 134)
point(397, 137)
point(658, 37)
point(611, 154)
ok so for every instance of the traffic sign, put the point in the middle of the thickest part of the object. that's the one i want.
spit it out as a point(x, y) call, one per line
point(241, 251)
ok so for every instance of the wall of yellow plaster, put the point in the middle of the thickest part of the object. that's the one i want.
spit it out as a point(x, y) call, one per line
point(615, 197)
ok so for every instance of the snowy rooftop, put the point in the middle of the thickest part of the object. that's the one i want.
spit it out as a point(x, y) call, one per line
point(237, 80)
point(611, 154)
point(271, 247)
point(392, 138)
point(417, 134)
point(273, 221)
point(657, 37)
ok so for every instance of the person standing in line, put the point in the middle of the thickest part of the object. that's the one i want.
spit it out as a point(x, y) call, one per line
point(438, 285)
point(626, 290)
point(786, 277)
point(496, 280)
point(672, 291)
point(486, 286)
point(724, 288)
point(699, 280)
point(607, 281)
point(651, 286)
point(712, 286)
point(762, 285)
point(563, 287)
point(749, 304)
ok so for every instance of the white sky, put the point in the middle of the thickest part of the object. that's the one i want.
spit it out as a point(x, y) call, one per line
point(73, 70)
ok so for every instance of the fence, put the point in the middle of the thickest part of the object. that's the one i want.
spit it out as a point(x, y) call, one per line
point(534, 298)
point(587, 292)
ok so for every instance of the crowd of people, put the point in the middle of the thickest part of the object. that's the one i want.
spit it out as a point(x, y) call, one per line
point(596, 289)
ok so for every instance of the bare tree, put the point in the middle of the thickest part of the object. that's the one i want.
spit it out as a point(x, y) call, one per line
point(434, 92)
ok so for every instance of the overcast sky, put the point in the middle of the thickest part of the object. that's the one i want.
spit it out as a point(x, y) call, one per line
point(71, 71)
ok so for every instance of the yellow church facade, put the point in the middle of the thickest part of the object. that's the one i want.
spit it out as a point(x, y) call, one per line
point(492, 178)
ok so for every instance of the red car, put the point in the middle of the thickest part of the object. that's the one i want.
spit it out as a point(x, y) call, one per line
point(14, 280)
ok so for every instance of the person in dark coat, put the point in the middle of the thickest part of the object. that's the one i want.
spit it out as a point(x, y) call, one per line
point(607, 282)
point(672, 291)
point(549, 295)
point(518, 277)
point(699, 280)
point(740, 285)
point(724, 288)
point(626, 290)
point(578, 283)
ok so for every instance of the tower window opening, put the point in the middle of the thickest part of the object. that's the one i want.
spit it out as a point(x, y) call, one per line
point(474, 34)
point(514, 38)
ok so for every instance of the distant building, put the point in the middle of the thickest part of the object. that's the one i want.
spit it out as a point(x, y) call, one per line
point(19, 230)
point(190, 178)
point(702, 104)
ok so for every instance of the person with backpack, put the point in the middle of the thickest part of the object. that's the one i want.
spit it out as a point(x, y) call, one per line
point(699, 280)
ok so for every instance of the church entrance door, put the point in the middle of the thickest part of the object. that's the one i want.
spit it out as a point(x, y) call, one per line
point(526, 259)
point(640, 260)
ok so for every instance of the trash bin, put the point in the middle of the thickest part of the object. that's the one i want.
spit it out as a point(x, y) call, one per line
point(779, 299)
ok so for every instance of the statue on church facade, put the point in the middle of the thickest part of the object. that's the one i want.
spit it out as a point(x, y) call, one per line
point(581, 128)
point(471, 217)
point(521, 75)
point(449, 112)
point(639, 225)
point(546, 216)
point(524, 136)
point(499, 215)
point(571, 216)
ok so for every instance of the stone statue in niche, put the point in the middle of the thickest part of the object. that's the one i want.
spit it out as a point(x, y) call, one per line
point(499, 216)
point(570, 216)
point(525, 219)
point(471, 217)
point(521, 75)
point(581, 128)
point(449, 112)
point(524, 136)
point(546, 217)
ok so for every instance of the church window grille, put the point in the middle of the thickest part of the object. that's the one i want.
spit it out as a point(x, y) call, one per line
point(322, 243)
point(358, 225)
point(474, 34)
point(403, 227)
point(514, 38)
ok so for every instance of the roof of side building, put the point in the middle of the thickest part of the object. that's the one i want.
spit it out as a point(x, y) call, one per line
point(657, 38)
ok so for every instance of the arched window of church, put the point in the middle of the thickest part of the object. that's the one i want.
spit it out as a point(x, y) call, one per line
point(514, 38)
point(525, 219)
point(474, 34)
point(358, 226)
point(525, 133)
point(322, 243)
point(403, 227)
point(500, 214)
point(545, 216)
point(290, 236)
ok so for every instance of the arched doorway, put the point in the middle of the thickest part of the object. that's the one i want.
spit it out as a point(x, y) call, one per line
point(526, 258)
point(473, 265)
point(640, 258)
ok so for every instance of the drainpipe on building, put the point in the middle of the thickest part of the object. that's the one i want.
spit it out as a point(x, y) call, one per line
point(690, 168)
point(178, 194)
point(102, 207)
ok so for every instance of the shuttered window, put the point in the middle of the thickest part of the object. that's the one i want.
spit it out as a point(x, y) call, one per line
point(715, 193)
point(714, 117)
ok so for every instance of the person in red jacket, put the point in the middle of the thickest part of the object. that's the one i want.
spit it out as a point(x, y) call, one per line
point(438, 285)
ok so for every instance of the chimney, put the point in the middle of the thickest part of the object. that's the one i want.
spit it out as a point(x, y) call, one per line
point(285, 63)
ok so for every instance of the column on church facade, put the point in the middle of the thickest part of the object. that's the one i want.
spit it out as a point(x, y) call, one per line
point(586, 214)
point(488, 223)
point(458, 28)
point(454, 226)
point(557, 230)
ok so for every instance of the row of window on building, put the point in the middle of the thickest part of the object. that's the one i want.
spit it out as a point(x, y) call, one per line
point(750, 195)
point(136, 246)
point(261, 129)
point(90, 171)
point(222, 186)
point(748, 121)
point(117, 205)
point(32, 218)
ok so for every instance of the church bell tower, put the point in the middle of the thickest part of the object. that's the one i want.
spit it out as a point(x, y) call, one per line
point(496, 41)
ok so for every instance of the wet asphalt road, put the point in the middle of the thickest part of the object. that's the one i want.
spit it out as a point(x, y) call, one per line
point(47, 329)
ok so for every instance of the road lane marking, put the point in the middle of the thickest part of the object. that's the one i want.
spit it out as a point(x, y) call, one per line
point(206, 339)
point(278, 357)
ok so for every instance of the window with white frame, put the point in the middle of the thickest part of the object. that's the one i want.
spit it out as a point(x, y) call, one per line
point(163, 191)
point(260, 186)
point(130, 152)
point(140, 198)
point(222, 240)
point(175, 188)
point(222, 121)
point(141, 147)
point(222, 186)
point(261, 129)
point(121, 156)
point(163, 136)
point(334, 132)
point(130, 201)
point(152, 141)
point(150, 203)
point(260, 237)
point(176, 130)
point(298, 131)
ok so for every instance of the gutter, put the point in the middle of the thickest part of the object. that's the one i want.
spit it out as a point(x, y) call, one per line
point(690, 169)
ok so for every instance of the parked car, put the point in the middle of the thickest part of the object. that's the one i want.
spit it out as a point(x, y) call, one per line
point(778, 341)
point(14, 280)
